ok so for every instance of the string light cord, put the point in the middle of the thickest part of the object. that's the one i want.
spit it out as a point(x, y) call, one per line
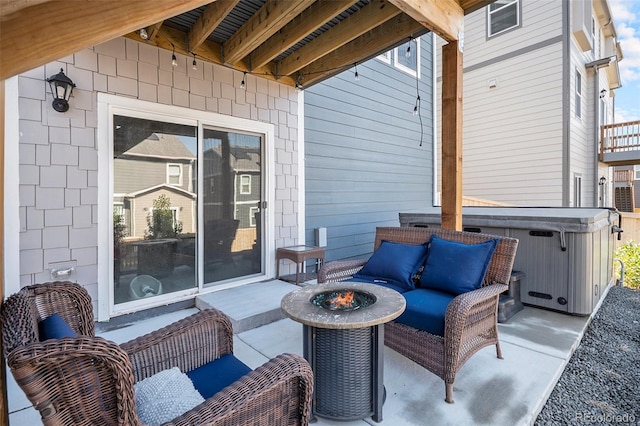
point(300, 78)
point(417, 110)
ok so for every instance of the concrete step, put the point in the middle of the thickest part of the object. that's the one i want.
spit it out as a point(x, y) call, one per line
point(248, 306)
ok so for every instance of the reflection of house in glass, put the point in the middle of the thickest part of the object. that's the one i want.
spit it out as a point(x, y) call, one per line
point(232, 188)
point(159, 165)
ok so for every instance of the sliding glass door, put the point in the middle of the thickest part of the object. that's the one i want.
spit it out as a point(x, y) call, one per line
point(232, 200)
point(154, 208)
point(177, 228)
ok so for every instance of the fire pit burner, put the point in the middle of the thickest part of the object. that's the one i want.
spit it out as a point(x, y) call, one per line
point(343, 300)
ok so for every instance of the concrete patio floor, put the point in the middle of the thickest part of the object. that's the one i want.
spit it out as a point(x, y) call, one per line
point(536, 345)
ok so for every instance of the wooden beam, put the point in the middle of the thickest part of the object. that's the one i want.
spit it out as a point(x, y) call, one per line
point(451, 136)
point(368, 45)
point(4, 406)
point(369, 17)
point(443, 17)
point(472, 5)
point(304, 24)
point(31, 37)
point(208, 51)
point(7, 7)
point(212, 16)
point(271, 17)
point(154, 29)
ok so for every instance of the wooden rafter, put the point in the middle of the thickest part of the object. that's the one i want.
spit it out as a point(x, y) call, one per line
point(154, 29)
point(374, 14)
point(443, 17)
point(472, 5)
point(360, 49)
point(304, 24)
point(269, 19)
point(29, 37)
point(171, 38)
point(209, 20)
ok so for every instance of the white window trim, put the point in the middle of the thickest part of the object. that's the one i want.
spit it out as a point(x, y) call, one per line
point(577, 190)
point(175, 216)
point(518, 18)
point(169, 175)
point(241, 185)
point(107, 106)
point(401, 67)
point(578, 94)
point(252, 216)
point(385, 57)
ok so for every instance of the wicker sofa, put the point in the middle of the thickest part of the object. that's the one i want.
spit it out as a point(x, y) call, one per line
point(468, 321)
point(87, 380)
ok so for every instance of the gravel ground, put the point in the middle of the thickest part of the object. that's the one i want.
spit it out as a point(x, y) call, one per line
point(601, 383)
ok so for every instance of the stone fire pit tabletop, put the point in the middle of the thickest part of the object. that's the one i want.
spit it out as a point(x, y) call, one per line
point(297, 305)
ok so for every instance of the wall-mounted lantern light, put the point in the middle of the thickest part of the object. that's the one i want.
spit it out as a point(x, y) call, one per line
point(603, 93)
point(61, 88)
point(603, 180)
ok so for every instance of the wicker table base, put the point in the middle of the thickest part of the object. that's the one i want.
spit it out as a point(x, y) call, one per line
point(345, 349)
point(348, 371)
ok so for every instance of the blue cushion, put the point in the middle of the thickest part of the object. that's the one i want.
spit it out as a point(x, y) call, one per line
point(377, 281)
point(212, 377)
point(395, 263)
point(426, 310)
point(456, 267)
point(54, 327)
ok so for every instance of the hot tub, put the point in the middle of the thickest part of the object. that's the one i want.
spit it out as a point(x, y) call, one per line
point(566, 254)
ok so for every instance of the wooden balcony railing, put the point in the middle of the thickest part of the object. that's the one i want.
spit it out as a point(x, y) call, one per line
point(620, 138)
point(625, 176)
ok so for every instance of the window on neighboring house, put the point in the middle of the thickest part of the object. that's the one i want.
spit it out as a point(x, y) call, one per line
point(578, 99)
point(406, 57)
point(577, 191)
point(502, 16)
point(252, 216)
point(174, 215)
point(245, 184)
point(174, 174)
point(385, 57)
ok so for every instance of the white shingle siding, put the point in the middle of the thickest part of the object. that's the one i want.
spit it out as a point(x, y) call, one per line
point(58, 194)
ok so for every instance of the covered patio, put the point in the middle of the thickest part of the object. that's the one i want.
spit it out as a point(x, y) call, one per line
point(272, 40)
point(537, 344)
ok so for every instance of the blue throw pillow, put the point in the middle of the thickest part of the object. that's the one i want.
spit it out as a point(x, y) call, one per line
point(54, 327)
point(456, 267)
point(212, 377)
point(395, 263)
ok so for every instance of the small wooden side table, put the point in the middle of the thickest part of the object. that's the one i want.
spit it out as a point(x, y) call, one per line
point(299, 255)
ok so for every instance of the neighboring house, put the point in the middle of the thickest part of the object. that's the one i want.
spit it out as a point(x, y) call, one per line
point(367, 156)
point(159, 164)
point(539, 81)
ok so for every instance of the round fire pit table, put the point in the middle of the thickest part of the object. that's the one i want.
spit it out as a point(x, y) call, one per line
point(345, 344)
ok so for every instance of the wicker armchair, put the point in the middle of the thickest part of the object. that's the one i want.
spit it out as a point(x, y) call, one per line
point(471, 321)
point(90, 380)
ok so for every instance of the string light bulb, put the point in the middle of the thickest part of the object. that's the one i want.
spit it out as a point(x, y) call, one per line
point(299, 87)
point(243, 84)
point(174, 60)
point(407, 54)
point(356, 77)
point(194, 65)
point(143, 34)
point(416, 109)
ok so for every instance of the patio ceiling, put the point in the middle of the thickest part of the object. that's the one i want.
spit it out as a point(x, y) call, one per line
point(301, 41)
